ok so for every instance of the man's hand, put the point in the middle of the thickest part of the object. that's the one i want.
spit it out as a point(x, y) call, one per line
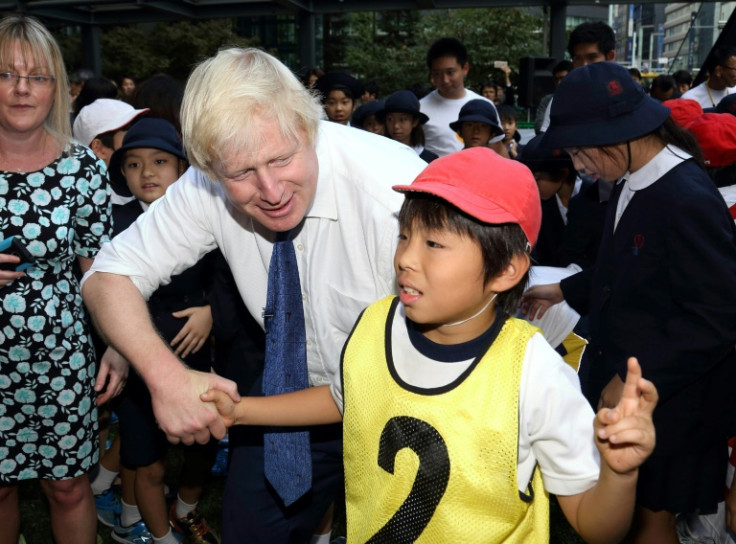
point(539, 298)
point(179, 411)
point(115, 367)
point(625, 435)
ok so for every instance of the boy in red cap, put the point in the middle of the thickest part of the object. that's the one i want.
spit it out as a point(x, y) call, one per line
point(479, 396)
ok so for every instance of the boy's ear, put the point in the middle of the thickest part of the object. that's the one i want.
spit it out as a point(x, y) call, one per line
point(512, 274)
point(100, 150)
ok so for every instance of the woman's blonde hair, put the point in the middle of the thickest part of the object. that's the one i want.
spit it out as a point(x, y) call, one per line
point(37, 43)
point(228, 95)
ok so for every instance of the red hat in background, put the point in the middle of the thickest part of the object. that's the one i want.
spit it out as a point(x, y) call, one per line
point(683, 110)
point(716, 134)
point(485, 186)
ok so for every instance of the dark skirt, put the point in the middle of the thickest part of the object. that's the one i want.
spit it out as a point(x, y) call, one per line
point(685, 483)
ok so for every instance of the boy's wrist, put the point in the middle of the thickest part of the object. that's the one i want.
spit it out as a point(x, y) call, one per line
point(632, 474)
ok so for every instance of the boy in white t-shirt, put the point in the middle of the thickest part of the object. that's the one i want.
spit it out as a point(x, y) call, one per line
point(447, 61)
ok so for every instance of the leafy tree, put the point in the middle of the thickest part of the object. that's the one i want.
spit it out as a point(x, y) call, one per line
point(184, 44)
point(139, 51)
point(127, 51)
point(385, 49)
point(390, 48)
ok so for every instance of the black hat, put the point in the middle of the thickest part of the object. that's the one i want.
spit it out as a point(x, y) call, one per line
point(601, 104)
point(480, 111)
point(541, 158)
point(374, 107)
point(403, 102)
point(338, 80)
point(148, 132)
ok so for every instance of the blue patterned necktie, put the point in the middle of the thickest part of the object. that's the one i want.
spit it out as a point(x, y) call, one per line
point(288, 460)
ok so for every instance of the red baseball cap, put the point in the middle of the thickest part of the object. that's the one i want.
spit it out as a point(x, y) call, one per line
point(484, 185)
point(683, 110)
point(716, 134)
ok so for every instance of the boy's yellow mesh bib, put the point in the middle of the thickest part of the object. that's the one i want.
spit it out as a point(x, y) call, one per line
point(441, 466)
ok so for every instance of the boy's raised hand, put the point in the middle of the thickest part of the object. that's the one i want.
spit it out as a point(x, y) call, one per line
point(624, 434)
point(224, 404)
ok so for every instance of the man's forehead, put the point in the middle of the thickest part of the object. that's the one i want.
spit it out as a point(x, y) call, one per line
point(258, 149)
point(445, 63)
point(587, 48)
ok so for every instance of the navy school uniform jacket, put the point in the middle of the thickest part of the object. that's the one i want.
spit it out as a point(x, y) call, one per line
point(664, 290)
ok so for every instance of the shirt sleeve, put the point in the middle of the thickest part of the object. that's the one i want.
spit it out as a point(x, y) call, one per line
point(555, 424)
point(169, 238)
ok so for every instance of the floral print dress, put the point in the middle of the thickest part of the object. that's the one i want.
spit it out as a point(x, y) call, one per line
point(48, 420)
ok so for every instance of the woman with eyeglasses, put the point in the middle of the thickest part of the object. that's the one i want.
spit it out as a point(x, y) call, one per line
point(663, 288)
point(54, 212)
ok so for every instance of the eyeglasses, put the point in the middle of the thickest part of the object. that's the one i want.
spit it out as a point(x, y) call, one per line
point(36, 81)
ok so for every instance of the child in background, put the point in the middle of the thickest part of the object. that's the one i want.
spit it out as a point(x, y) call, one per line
point(477, 123)
point(477, 395)
point(150, 159)
point(510, 129)
point(101, 126)
point(488, 90)
point(404, 122)
point(663, 287)
point(340, 94)
point(367, 118)
point(556, 179)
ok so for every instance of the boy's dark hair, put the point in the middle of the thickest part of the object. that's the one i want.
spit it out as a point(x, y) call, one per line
point(447, 47)
point(683, 76)
point(635, 72)
point(506, 113)
point(107, 139)
point(371, 88)
point(663, 83)
point(562, 66)
point(346, 90)
point(486, 83)
point(722, 54)
point(498, 243)
point(596, 32)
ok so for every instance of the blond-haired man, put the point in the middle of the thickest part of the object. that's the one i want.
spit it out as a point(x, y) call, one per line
point(263, 163)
